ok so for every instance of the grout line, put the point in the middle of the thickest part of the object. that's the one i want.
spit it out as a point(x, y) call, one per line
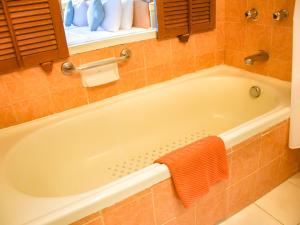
point(271, 47)
point(92, 220)
point(293, 183)
point(195, 214)
point(268, 213)
point(233, 184)
point(102, 220)
point(260, 153)
point(257, 170)
point(153, 207)
point(173, 218)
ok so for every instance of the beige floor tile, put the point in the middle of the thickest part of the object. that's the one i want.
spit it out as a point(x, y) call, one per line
point(252, 215)
point(283, 203)
point(295, 179)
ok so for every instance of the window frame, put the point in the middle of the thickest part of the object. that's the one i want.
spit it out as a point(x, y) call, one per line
point(147, 34)
point(113, 41)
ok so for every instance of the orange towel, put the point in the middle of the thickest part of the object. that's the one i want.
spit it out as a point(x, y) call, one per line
point(197, 166)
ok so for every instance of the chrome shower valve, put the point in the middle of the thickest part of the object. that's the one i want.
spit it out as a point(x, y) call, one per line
point(251, 14)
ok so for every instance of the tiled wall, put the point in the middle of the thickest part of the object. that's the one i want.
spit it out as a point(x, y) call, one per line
point(256, 166)
point(30, 94)
point(243, 38)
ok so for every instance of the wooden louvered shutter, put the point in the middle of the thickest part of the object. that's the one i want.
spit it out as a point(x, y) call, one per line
point(179, 17)
point(172, 17)
point(8, 57)
point(37, 30)
point(202, 15)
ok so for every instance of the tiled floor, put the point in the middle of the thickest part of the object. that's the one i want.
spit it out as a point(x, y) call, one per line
point(280, 206)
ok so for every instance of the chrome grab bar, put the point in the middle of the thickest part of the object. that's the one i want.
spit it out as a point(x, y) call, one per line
point(68, 67)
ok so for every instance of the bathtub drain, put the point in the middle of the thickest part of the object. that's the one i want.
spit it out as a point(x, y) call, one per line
point(255, 91)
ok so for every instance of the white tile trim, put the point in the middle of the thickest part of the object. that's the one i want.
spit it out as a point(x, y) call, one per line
point(108, 42)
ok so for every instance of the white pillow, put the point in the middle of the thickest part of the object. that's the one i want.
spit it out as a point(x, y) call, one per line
point(113, 14)
point(127, 14)
point(80, 14)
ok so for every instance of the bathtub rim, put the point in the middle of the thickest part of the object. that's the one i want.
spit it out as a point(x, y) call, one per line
point(97, 199)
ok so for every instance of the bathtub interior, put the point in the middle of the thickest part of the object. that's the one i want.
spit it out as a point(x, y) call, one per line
point(97, 147)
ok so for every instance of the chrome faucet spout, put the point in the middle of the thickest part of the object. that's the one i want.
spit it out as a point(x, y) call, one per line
point(262, 56)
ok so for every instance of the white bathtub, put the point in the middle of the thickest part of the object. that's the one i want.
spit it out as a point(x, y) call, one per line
point(61, 168)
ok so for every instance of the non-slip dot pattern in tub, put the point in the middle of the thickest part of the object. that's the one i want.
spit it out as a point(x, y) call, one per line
point(147, 158)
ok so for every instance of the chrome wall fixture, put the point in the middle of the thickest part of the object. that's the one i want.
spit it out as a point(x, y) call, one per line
point(261, 56)
point(68, 67)
point(280, 15)
point(251, 14)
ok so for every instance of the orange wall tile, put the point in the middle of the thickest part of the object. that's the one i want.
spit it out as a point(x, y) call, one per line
point(160, 204)
point(243, 38)
point(139, 211)
point(265, 178)
point(187, 218)
point(274, 143)
point(211, 208)
point(245, 160)
point(241, 194)
point(167, 204)
point(93, 219)
point(8, 116)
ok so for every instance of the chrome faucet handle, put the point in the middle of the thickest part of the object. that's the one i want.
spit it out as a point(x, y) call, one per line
point(280, 15)
point(252, 14)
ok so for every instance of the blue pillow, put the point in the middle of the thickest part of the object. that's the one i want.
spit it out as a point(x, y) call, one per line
point(69, 14)
point(95, 14)
point(80, 14)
